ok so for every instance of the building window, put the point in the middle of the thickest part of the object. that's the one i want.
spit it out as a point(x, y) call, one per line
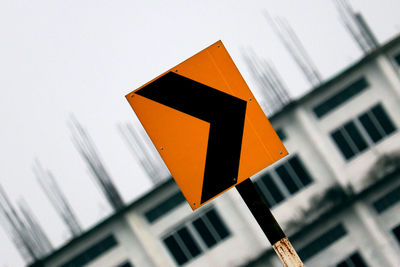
point(322, 242)
point(281, 134)
point(283, 181)
point(387, 200)
point(196, 236)
point(397, 59)
point(362, 132)
point(349, 140)
point(396, 232)
point(125, 264)
point(341, 97)
point(377, 123)
point(92, 252)
point(164, 207)
point(354, 260)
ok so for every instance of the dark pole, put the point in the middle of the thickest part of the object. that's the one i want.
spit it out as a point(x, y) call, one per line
point(268, 224)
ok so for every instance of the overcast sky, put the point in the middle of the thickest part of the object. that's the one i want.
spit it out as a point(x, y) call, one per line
point(59, 58)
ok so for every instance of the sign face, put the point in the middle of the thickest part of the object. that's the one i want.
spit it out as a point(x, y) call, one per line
point(206, 124)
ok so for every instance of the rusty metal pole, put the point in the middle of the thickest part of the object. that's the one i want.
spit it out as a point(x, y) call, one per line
point(268, 224)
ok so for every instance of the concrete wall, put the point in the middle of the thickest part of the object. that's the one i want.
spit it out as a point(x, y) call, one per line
point(308, 137)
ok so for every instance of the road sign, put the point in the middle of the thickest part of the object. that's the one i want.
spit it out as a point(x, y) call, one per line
point(206, 124)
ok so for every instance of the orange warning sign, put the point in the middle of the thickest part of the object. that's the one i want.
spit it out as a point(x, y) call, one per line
point(206, 124)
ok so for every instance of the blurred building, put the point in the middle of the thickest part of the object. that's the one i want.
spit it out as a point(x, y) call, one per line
point(337, 195)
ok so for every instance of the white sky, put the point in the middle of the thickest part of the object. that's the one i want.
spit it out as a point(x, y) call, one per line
point(82, 57)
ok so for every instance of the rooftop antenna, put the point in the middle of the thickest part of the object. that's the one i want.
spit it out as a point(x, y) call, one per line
point(85, 146)
point(273, 88)
point(14, 229)
point(57, 198)
point(24, 231)
point(144, 152)
point(295, 48)
point(356, 26)
point(34, 231)
point(268, 103)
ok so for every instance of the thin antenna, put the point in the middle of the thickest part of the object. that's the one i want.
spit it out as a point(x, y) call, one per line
point(316, 76)
point(288, 47)
point(356, 26)
point(24, 231)
point(277, 80)
point(86, 148)
point(142, 148)
point(296, 49)
point(144, 152)
point(273, 88)
point(363, 27)
point(354, 34)
point(366, 31)
point(35, 232)
point(12, 228)
point(347, 17)
point(15, 222)
point(269, 106)
point(56, 198)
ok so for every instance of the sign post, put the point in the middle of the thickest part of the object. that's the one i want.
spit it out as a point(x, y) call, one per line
point(268, 224)
point(212, 134)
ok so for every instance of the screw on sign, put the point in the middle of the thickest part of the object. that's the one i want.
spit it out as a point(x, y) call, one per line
point(212, 134)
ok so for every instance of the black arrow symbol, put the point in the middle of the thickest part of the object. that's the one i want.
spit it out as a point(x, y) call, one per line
point(224, 112)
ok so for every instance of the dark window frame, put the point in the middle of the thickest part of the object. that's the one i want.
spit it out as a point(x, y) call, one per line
point(164, 207)
point(92, 252)
point(396, 233)
point(352, 146)
point(339, 98)
point(215, 226)
point(322, 242)
point(281, 134)
point(397, 59)
point(388, 200)
point(274, 188)
point(126, 263)
point(353, 260)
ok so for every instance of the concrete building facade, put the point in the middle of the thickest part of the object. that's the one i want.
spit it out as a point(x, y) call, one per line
point(337, 195)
